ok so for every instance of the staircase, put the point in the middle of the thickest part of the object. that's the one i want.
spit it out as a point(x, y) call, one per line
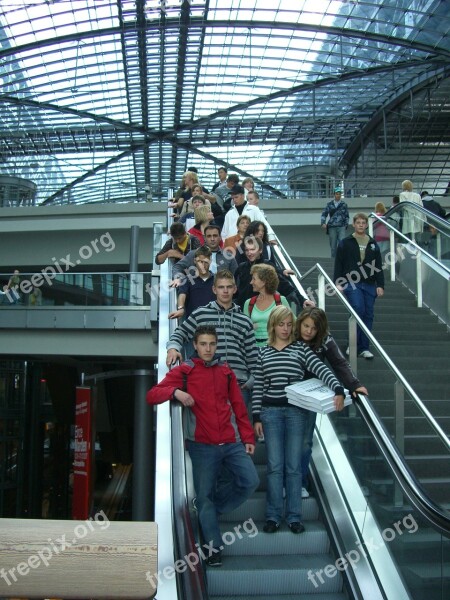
point(264, 566)
point(418, 344)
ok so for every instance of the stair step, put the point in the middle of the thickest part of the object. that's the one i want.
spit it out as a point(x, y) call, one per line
point(258, 543)
point(386, 407)
point(422, 466)
point(427, 579)
point(255, 508)
point(274, 575)
point(413, 425)
point(436, 487)
point(337, 596)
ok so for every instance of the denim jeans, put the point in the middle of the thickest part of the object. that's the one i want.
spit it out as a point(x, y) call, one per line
point(335, 235)
point(310, 423)
point(216, 497)
point(361, 297)
point(283, 433)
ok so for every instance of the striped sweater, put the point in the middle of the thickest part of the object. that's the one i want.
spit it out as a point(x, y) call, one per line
point(235, 337)
point(278, 368)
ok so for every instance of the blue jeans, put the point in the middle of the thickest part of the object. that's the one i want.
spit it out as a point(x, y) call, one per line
point(310, 423)
point(216, 497)
point(283, 432)
point(361, 297)
point(335, 235)
point(247, 395)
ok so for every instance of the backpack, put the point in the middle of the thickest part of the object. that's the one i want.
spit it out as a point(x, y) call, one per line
point(253, 300)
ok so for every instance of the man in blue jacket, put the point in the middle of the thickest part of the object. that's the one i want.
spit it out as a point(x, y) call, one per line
point(337, 213)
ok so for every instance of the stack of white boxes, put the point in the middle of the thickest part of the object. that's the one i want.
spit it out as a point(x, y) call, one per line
point(314, 395)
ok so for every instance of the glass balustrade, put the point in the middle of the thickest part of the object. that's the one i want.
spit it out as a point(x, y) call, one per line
point(40, 290)
point(421, 259)
point(420, 552)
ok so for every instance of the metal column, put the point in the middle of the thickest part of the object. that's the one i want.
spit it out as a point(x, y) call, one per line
point(143, 449)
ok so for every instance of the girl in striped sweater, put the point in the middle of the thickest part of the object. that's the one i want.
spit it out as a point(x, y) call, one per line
point(284, 362)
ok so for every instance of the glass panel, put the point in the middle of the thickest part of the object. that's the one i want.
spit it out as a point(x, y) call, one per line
point(420, 553)
point(80, 289)
point(110, 101)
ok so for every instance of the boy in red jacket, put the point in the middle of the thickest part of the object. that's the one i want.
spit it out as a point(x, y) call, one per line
point(218, 434)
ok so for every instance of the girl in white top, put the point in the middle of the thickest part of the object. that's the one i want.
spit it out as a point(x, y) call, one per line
point(411, 220)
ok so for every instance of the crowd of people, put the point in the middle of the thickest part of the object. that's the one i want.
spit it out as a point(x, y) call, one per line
point(244, 334)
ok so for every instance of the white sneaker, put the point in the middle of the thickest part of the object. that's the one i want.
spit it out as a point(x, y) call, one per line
point(305, 493)
point(366, 354)
point(347, 352)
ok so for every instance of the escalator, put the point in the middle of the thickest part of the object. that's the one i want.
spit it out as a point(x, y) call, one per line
point(383, 540)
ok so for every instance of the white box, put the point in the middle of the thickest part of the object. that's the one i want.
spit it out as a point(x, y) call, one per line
point(313, 395)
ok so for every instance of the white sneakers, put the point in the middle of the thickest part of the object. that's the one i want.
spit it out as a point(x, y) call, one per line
point(305, 493)
point(364, 354)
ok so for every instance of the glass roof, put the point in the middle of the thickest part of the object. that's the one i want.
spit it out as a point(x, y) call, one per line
point(111, 101)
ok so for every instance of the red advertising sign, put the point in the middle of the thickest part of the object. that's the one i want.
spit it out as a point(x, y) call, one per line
point(81, 499)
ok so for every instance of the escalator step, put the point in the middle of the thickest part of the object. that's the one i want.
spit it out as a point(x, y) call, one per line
point(257, 543)
point(274, 576)
point(337, 596)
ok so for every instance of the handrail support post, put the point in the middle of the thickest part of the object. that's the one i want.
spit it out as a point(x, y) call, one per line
point(353, 343)
point(399, 433)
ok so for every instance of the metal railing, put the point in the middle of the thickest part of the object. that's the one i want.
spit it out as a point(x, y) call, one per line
point(413, 261)
point(325, 286)
point(172, 505)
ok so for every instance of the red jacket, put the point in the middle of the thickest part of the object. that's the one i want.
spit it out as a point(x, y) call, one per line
point(219, 415)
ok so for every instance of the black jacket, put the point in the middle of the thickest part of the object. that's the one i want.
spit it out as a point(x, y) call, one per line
point(329, 351)
point(348, 267)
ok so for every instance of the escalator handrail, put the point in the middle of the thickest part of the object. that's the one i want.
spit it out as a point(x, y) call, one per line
point(190, 582)
point(432, 512)
point(398, 374)
point(193, 581)
point(397, 208)
point(407, 240)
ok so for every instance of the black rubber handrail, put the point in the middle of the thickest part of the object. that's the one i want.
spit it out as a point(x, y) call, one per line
point(432, 512)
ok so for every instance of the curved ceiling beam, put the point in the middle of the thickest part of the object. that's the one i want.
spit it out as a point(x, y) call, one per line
point(221, 24)
point(71, 111)
point(89, 173)
point(352, 153)
point(171, 138)
point(304, 87)
point(168, 135)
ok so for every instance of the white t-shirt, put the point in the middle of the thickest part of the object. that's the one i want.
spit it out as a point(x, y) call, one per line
point(253, 212)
